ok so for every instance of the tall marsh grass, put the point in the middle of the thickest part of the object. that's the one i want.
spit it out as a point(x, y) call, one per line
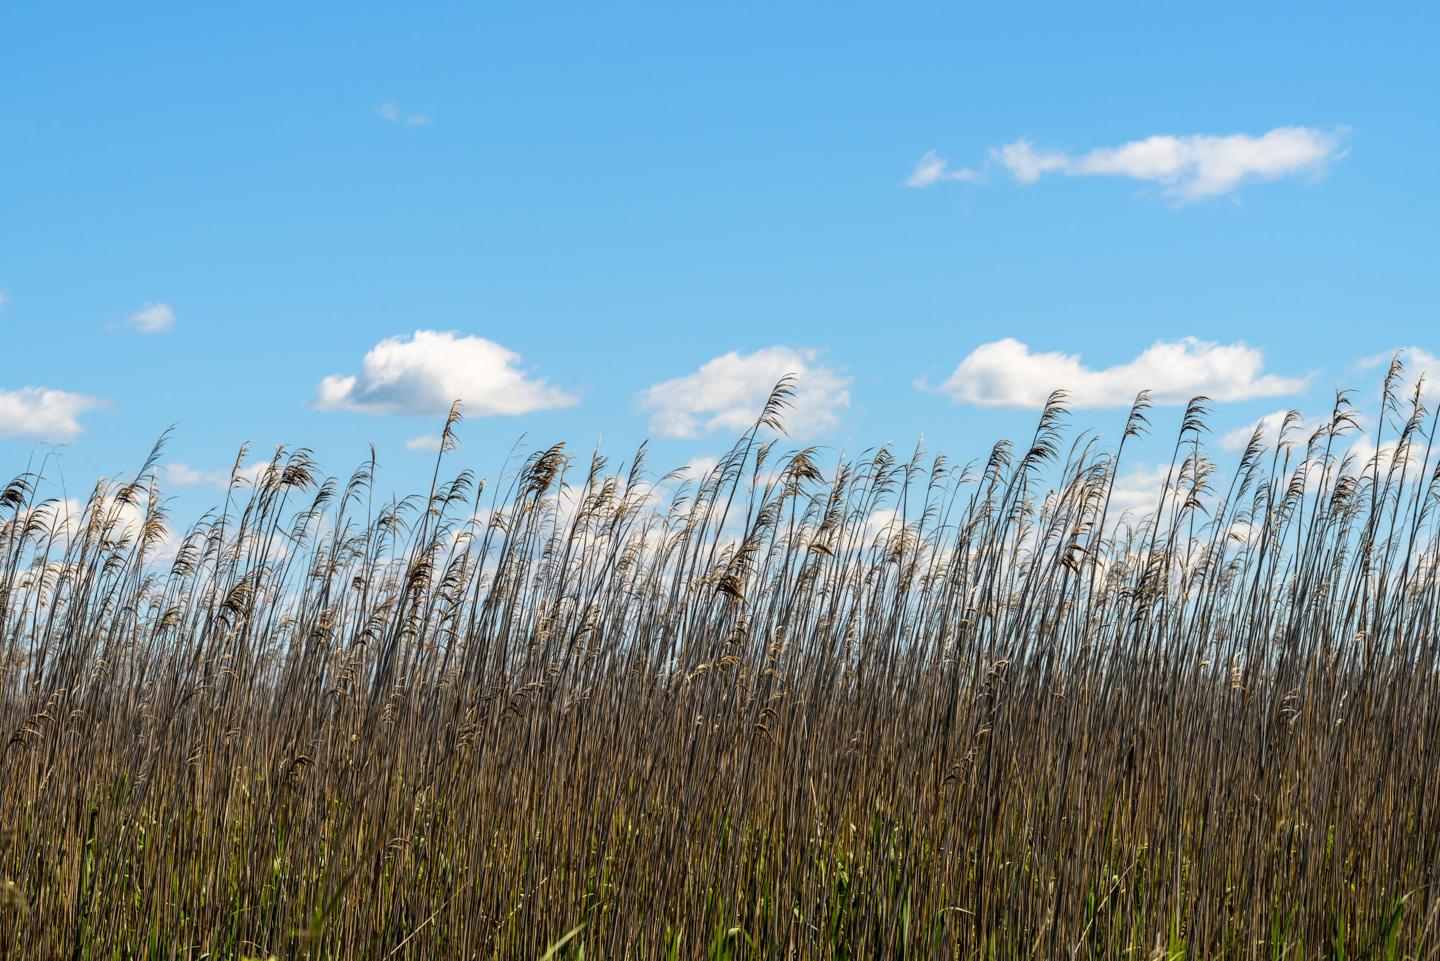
point(806, 706)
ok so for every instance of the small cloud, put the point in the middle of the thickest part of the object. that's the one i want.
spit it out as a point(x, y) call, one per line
point(1190, 167)
point(45, 413)
point(1269, 427)
point(153, 318)
point(430, 442)
point(1140, 489)
point(183, 475)
point(389, 111)
point(932, 169)
point(1418, 366)
point(728, 393)
point(1006, 374)
point(696, 469)
point(1027, 163)
point(251, 474)
point(424, 374)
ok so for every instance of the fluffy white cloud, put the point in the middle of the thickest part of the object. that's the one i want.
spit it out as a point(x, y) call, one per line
point(933, 169)
point(1419, 365)
point(1006, 374)
point(696, 469)
point(1387, 457)
point(67, 518)
point(1191, 167)
point(1269, 426)
point(426, 442)
point(425, 373)
point(42, 412)
point(1138, 489)
point(727, 394)
point(153, 318)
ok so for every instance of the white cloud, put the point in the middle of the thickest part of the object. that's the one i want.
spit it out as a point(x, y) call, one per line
point(1006, 374)
point(250, 474)
point(1239, 438)
point(42, 412)
point(183, 475)
point(1418, 363)
point(697, 469)
point(1190, 167)
point(728, 392)
point(425, 373)
point(153, 318)
point(1027, 163)
point(69, 518)
point(933, 169)
point(390, 111)
point(1139, 489)
point(430, 442)
point(1269, 426)
point(1387, 457)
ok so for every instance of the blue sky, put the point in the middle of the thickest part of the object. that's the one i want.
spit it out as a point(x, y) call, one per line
point(310, 224)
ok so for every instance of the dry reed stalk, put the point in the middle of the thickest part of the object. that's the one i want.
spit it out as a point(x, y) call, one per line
point(890, 708)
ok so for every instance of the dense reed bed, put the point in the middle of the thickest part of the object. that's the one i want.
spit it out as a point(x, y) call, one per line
point(805, 706)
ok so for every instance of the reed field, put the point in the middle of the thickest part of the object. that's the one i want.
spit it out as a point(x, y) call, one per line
point(810, 704)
